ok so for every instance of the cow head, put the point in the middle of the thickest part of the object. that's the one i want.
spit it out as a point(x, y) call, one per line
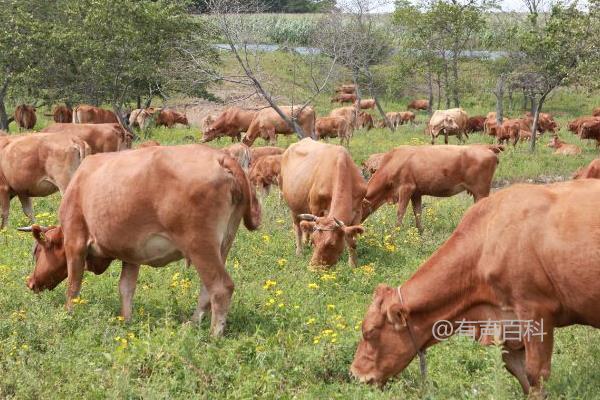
point(555, 142)
point(211, 133)
point(450, 125)
point(386, 347)
point(329, 236)
point(49, 255)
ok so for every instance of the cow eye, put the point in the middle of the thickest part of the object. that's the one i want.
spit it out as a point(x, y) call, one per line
point(369, 333)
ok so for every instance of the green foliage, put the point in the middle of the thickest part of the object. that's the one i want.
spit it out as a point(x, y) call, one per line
point(297, 31)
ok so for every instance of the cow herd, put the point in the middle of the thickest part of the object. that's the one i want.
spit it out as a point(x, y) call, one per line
point(158, 204)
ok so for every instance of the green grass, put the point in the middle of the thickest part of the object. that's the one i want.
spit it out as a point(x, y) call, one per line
point(291, 339)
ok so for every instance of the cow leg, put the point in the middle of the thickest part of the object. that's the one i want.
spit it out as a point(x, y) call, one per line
point(5, 205)
point(203, 305)
point(514, 361)
point(445, 137)
point(218, 283)
point(538, 359)
point(416, 205)
point(27, 207)
point(299, 238)
point(75, 253)
point(127, 284)
point(404, 195)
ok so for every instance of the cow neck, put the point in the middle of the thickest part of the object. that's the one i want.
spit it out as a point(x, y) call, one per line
point(341, 194)
point(444, 288)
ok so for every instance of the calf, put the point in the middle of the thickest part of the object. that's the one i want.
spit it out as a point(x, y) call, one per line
point(37, 166)
point(25, 116)
point(410, 172)
point(516, 256)
point(265, 172)
point(232, 122)
point(333, 127)
point(195, 216)
point(509, 130)
point(563, 148)
point(323, 189)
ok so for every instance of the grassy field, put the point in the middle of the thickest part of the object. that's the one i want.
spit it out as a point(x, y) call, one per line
point(291, 333)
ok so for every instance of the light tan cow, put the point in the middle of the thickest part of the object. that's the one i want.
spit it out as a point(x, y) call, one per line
point(331, 127)
point(86, 114)
point(450, 122)
point(267, 124)
point(195, 216)
point(37, 166)
point(101, 138)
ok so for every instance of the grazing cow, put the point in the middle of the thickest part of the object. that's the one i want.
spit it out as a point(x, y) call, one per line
point(450, 122)
point(406, 117)
point(267, 124)
point(366, 103)
point(37, 166)
point(590, 129)
point(372, 164)
point(149, 143)
point(418, 105)
point(500, 264)
point(348, 112)
point(393, 117)
point(563, 148)
point(365, 120)
point(344, 98)
point(141, 117)
point(102, 138)
point(348, 89)
point(86, 114)
point(62, 114)
point(333, 127)
point(410, 172)
point(195, 216)
point(25, 116)
point(206, 122)
point(169, 118)
point(592, 170)
point(596, 112)
point(509, 130)
point(265, 172)
point(490, 125)
point(323, 189)
point(232, 122)
point(546, 122)
point(574, 125)
point(475, 124)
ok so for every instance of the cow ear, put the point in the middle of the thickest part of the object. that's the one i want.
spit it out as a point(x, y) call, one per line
point(38, 234)
point(352, 231)
point(396, 316)
point(307, 226)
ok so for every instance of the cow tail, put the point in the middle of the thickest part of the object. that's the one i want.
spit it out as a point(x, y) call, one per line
point(252, 210)
point(76, 119)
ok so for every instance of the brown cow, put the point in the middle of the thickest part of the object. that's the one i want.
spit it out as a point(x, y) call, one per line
point(37, 166)
point(101, 138)
point(490, 125)
point(25, 116)
point(265, 172)
point(500, 264)
point(349, 89)
point(333, 127)
point(195, 216)
point(169, 118)
point(366, 103)
point(372, 164)
point(344, 98)
point(509, 130)
point(590, 129)
point(62, 114)
point(546, 122)
point(596, 112)
point(365, 120)
point(563, 148)
point(475, 124)
point(393, 117)
point(418, 105)
point(324, 189)
point(574, 125)
point(267, 124)
point(410, 172)
point(232, 122)
point(149, 143)
point(592, 170)
point(406, 117)
point(348, 112)
point(263, 151)
point(86, 114)
point(206, 122)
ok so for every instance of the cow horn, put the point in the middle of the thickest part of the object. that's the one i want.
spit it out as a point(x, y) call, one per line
point(339, 223)
point(307, 217)
point(30, 228)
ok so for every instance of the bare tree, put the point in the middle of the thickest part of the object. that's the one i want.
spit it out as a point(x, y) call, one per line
point(240, 37)
point(351, 35)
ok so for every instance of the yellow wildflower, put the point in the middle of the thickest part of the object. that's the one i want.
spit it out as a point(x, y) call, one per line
point(282, 262)
point(311, 321)
point(268, 284)
point(313, 286)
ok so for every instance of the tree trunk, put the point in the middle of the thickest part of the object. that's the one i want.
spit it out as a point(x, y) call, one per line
point(139, 102)
point(429, 90)
point(377, 104)
point(525, 100)
point(3, 116)
point(510, 99)
point(536, 115)
point(455, 79)
point(499, 93)
point(446, 81)
point(122, 121)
